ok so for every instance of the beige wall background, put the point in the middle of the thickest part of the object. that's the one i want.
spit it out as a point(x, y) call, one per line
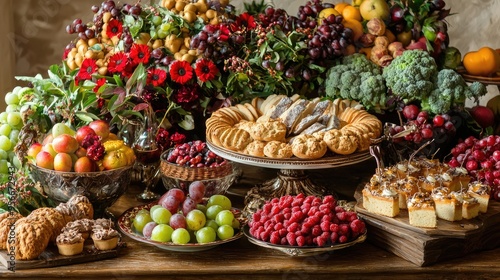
point(34, 37)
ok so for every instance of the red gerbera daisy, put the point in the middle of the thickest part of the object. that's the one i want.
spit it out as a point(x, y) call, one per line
point(156, 76)
point(99, 84)
point(206, 70)
point(223, 33)
point(246, 20)
point(117, 62)
point(114, 28)
point(88, 68)
point(181, 71)
point(140, 53)
point(129, 69)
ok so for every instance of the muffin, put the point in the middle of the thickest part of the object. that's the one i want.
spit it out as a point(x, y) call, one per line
point(105, 239)
point(70, 243)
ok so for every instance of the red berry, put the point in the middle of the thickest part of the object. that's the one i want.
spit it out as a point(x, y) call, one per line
point(426, 133)
point(438, 120)
point(496, 155)
point(411, 112)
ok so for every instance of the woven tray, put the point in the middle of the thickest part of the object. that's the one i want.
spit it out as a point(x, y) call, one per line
point(186, 173)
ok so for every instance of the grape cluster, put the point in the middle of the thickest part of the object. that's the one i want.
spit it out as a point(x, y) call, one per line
point(177, 217)
point(77, 26)
point(422, 128)
point(277, 17)
point(208, 43)
point(305, 221)
point(481, 158)
point(195, 154)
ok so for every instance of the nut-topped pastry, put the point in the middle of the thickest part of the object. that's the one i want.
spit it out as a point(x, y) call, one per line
point(421, 210)
point(448, 207)
point(383, 200)
point(481, 192)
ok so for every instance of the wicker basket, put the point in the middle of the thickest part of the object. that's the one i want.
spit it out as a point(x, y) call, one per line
point(187, 173)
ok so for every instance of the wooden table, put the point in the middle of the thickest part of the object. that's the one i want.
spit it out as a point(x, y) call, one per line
point(242, 260)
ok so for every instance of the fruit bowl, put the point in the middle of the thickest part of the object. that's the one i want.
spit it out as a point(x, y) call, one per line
point(102, 188)
point(216, 179)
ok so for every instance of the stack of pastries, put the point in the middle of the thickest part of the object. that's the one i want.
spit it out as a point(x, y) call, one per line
point(428, 189)
point(282, 127)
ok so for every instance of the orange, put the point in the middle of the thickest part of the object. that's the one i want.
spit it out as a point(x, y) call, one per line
point(351, 12)
point(356, 26)
point(340, 6)
point(350, 49)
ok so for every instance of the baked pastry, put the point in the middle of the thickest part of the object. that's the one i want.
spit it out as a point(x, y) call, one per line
point(448, 207)
point(51, 217)
point(104, 223)
point(421, 211)
point(105, 239)
point(470, 206)
point(82, 226)
point(277, 149)
point(31, 238)
point(406, 188)
point(66, 211)
point(308, 147)
point(7, 220)
point(70, 243)
point(429, 182)
point(339, 143)
point(271, 130)
point(382, 200)
point(84, 208)
point(481, 192)
point(235, 139)
point(255, 148)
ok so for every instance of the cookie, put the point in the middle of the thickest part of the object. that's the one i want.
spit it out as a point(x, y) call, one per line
point(277, 149)
point(308, 147)
point(256, 148)
point(268, 131)
point(339, 143)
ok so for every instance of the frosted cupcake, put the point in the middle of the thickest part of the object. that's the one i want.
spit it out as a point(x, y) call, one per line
point(83, 226)
point(105, 239)
point(70, 243)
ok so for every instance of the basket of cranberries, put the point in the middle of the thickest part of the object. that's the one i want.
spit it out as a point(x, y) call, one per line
point(194, 161)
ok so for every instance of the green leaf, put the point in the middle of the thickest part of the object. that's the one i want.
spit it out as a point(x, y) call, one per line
point(85, 116)
point(139, 75)
point(187, 123)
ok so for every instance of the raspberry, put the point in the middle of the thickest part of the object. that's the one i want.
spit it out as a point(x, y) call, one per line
point(342, 216)
point(275, 210)
point(344, 229)
point(358, 226)
point(293, 227)
point(267, 208)
point(334, 237)
point(291, 238)
point(301, 241)
point(316, 230)
point(282, 232)
point(312, 210)
point(325, 209)
point(329, 199)
point(275, 238)
point(305, 207)
point(275, 200)
point(316, 201)
point(309, 240)
point(325, 235)
point(334, 228)
point(96, 151)
point(325, 226)
point(265, 235)
point(339, 209)
point(278, 226)
point(279, 218)
point(283, 241)
point(287, 216)
point(286, 210)
point(308, 200)
point(268, 224)
point(343, 239)
point(351, 216)
point(298, 233)
point(256, 216)
point(296, 209)
point(320, 241)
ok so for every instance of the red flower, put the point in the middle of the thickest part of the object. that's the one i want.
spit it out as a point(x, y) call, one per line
point(156, 76)
point(245, 20)
point(99, 84)
point(206, 70)
point(129, 69)
point(181, 71)
point(117, 62)
point(223, 33)
point(186, 94)
point(178, 138)
point(140, 54)
point(114, 28)
point(88, 68)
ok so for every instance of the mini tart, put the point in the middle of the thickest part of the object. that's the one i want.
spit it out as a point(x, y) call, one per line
point(105, 239)
point(70, 243)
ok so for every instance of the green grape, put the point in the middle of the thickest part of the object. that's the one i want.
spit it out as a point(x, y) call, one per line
point(3, 117)
point(12, 108)
point(202, 208)
point(153, 208)
point(156, 20)
point(219, 199)
point(212, 211)
point(16, 162)
point(14, 136)
point(225, 232)
point(162, 233)
point(141, 219)
point(161, 34)
point(3, 154)
point(236, 223)
point(212, 224)
point(5, 129)
point(195, 219)
point(4, 166)
point(11, 98)
point(14, 119)
point(206, 235)
point(181, 236)
point(5, 143)
point(161, 215)
point(225, 217)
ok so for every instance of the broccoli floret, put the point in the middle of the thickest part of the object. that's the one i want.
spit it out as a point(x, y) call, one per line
point(357, 78)
point(411, 75)
point(450, 91)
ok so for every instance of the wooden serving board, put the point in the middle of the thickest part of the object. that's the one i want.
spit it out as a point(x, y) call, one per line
point(51, 257)
point(423, 246)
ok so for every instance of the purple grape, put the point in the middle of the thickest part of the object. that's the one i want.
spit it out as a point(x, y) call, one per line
point(148, 229)
point(188, 205)
point(177, 221)
point(197, 191)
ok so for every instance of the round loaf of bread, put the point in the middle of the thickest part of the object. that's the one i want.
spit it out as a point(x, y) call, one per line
point(31, 238)
point(339, 143)
point(277, 149)
point(308, 147)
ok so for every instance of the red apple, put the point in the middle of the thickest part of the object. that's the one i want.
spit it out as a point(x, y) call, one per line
point(34, 149)
point(45, 160)
point(84, 164)
point(100, 127)
point(82, 132)
point(65, 143)
point(483, 115)
point(63, 162)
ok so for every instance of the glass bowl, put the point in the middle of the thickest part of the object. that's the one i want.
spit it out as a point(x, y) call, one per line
point(216, 179)
point(102, 188)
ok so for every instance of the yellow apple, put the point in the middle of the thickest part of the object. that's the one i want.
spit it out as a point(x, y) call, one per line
point(356, 3)
point(374, 9)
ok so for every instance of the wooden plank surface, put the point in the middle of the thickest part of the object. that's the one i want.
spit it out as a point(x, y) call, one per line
point(243, 260)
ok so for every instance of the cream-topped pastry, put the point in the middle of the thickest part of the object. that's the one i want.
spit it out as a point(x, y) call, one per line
point(70, 243)
point(105, 239)
point(83, 226)
point(481, 192)
point(383, 200)
point(448, 207)
point(421, 210)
